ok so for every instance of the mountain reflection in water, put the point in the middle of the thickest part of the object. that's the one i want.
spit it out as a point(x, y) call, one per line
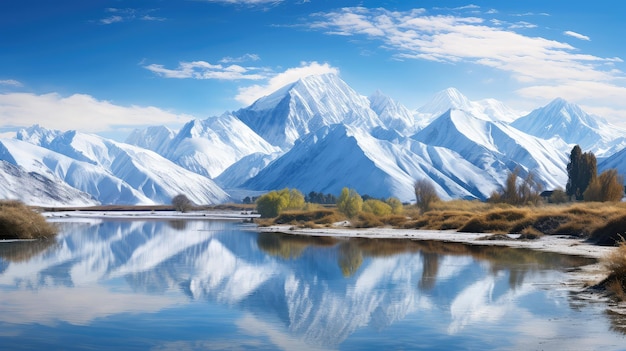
point(206, 284)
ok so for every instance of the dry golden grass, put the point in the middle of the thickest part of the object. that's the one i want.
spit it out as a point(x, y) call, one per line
point(615, 263)
point(367, 220)
point(319, 216)
point(18, 221)
point(602, 222)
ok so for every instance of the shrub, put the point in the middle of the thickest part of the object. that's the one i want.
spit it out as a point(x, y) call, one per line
point(610, 233)
point(322, 216)
point(274, 202)
point(376, 207)
point(182, 203)
point(530, 233)
point(349, 203)
point(425, 194)
point(396, 205)
point(516, 192)
point(608, 186)
point(367, 220)
point(18, 221)
point(615, 262)
point(559, 196)
point(394, 220)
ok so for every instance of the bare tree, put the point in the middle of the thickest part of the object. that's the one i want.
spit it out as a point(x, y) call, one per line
point(182, 203)
point(425, 194)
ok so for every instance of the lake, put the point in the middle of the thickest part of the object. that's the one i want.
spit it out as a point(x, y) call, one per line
point(220, 285)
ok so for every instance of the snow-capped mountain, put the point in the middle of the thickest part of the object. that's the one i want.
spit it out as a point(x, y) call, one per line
point(155, 138)
point(244, 169)
point(42, 190)
point(497, 148)
point(393, 114)
point(302, 107)
point(569, 122)
point(318, 134)
point(451, 98)
point(112, 172)
point(346, 156)
point(206, 147)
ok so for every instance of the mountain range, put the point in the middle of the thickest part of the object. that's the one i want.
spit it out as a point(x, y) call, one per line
point(316, 134)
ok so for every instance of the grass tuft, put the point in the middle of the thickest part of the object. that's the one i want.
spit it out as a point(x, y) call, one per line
point(18, 221)
point(615, 263)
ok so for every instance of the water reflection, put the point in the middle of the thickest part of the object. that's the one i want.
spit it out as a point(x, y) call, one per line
point(201, 284)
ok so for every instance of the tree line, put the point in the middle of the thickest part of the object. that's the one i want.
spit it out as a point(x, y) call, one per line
point(583, 184)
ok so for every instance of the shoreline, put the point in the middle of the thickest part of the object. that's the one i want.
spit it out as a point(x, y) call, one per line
point(548, 243)
point(579, 280)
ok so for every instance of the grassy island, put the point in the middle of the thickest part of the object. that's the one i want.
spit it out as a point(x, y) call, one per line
point(18, 221)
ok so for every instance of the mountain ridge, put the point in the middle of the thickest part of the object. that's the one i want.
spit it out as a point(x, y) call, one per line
point(318, 134)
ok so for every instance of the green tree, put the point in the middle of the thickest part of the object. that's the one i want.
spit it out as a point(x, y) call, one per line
point(608, 186)
point(396, 205)
point(425, 194)
point(273, 203)
point(376, 207)
point(349, 202)
point(296, 200)
point(581, 171)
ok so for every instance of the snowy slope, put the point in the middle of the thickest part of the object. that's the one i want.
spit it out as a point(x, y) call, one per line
point(244, 169)
point(305, 106)
point(451, 98)
point(392, 114)
point(84, 176)
point(496, 148)
point(142, 175)
point(208, 147)
point(155, 138)
point(41, 190)
point(617, 161)
point(569, 122)
point(341, 156)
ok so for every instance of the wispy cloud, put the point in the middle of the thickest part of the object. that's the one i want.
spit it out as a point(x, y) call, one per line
point(246, 2)
point(10, 83)
point(248, 95)
point(206, 70)
point(118, 15)
point(569, 33)
point(243, 58)
point(80, 112)
point(537, 63)
point(111, 19)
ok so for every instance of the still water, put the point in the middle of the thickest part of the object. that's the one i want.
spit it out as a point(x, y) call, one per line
point(219, 285)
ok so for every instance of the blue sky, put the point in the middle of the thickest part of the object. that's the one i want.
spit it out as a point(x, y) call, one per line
point(108, 66)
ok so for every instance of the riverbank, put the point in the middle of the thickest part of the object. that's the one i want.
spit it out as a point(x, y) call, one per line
point(578, 280)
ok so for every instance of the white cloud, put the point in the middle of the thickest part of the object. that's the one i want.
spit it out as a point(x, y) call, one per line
point(248, 95)
point(540, 66)
point(111, 20)
point(79, 112)
point(206, 70)
point(11, 83)
point(576, 35)
point(243, 58)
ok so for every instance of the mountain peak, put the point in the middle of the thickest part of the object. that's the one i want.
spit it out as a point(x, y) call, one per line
point(305, 106)
point(445, 100)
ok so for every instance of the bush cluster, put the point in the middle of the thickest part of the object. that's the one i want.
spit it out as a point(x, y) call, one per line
point(275, 202)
